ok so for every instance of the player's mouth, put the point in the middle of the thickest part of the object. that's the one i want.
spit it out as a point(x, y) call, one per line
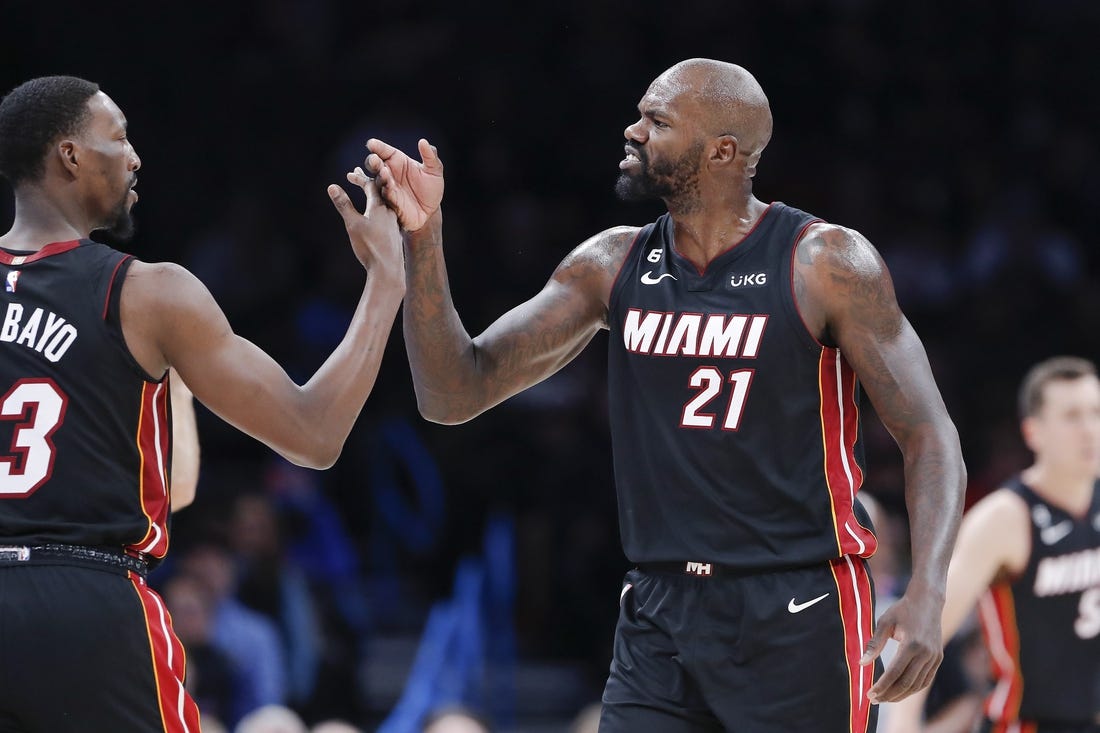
point(632, 159)
point(132, 191)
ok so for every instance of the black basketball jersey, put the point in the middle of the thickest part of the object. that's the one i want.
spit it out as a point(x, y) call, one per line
point(1043, 627)
point(85, 434)
point(735, 432)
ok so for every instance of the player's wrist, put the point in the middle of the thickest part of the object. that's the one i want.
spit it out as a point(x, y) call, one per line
point(428, 234)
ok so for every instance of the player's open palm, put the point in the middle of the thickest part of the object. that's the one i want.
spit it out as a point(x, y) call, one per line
point(914, 621)
point(374, 234)
point(412, 189)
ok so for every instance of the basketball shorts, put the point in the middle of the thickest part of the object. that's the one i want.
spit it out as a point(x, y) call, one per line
point(698, 650)
point(88, 648)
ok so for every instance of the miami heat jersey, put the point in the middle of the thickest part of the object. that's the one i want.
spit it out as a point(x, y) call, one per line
point(1043, 628)
point(735, 433)
point(85, 434)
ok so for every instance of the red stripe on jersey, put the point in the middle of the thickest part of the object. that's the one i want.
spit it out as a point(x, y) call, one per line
point(997, 613)
point(53, 248)
point(853, 586)
point(153, 443)
point(111, 285)
point(178, 712)
point(839, 432)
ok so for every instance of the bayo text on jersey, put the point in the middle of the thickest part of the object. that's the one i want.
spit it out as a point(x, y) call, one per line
point(44, 331)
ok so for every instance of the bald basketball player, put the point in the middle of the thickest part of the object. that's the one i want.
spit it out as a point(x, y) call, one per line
point(742, 333)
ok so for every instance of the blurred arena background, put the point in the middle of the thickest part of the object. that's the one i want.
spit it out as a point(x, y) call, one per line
point(960, 137)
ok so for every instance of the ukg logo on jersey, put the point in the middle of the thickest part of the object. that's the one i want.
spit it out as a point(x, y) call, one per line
point(752, 280)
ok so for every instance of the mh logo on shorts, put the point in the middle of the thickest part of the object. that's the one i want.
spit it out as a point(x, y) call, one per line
point(699, 568)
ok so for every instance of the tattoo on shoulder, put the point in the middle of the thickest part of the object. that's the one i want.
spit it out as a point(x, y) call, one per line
point(852, 276)
point(600, 257)
point(610, 247)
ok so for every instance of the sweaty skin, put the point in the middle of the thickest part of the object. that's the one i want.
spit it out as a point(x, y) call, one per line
point(702, 128)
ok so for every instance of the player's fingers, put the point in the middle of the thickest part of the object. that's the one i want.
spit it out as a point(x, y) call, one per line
point(342, 203)
point(911, 670)
point(430, 155)
point(381, 149)
point(387, 193)
point(900, 688)
point(877, 643)
point(889, 676)
point(906, 682)
point(929, 673)
point(374, 197)
point(373, 164)
point(386, 181)
point(358, 177)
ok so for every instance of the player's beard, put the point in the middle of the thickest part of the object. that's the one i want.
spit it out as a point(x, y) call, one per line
point(668, 179)
point(120, 224)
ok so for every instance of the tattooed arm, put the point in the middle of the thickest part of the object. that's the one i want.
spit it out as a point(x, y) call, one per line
point(847, 298)
point(457, 377)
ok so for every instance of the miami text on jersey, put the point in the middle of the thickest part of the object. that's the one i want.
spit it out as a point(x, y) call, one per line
point(47, 333)
point(1071, 573)
point(693, 334)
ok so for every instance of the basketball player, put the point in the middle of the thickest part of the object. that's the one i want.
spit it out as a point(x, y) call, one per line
point(740, 336)
point(86, 339)
point(1029, 558)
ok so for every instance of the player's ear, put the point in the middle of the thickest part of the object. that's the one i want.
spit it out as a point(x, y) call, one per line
point(724, 150)
point(1029, 431)
point(68, 154)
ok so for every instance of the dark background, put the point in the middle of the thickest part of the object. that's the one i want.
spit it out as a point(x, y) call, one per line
point(959, 137)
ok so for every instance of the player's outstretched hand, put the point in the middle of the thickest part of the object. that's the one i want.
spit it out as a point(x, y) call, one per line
point(374, 234)
point(413, 190)
point(914, 621)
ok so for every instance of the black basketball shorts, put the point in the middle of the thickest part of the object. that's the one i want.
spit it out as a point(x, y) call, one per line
point(699, 650)
point(88, 649)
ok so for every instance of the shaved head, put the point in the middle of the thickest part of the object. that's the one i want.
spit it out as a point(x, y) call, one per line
point(703, 126)
point(727, 99)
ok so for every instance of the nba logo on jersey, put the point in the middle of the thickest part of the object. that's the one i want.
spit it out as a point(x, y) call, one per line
point(13, 278)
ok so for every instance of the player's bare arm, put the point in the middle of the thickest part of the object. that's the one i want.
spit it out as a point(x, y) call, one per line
point(185, 443)
point(457, 377)
point(994, 542)
point(846, 296)
point(170, 319)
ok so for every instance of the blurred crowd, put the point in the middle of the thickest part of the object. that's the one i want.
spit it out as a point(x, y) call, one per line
point(960, 138)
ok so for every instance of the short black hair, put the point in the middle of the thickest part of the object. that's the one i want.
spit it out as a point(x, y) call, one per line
point(35, 114)
point(1056, 369)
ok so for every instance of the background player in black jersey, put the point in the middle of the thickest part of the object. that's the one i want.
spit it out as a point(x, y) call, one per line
point(87, 338)
point(1028, 557)
point(737, 496)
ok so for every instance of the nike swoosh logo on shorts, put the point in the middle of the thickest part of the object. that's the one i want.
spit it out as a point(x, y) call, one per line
point(648, 279)
point(799, 607)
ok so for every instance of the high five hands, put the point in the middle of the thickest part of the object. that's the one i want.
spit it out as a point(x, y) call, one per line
point(413, 190)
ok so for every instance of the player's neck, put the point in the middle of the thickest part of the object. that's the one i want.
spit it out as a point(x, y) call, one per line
point(1066, 489)
point(705, 231)
point(39, 220)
